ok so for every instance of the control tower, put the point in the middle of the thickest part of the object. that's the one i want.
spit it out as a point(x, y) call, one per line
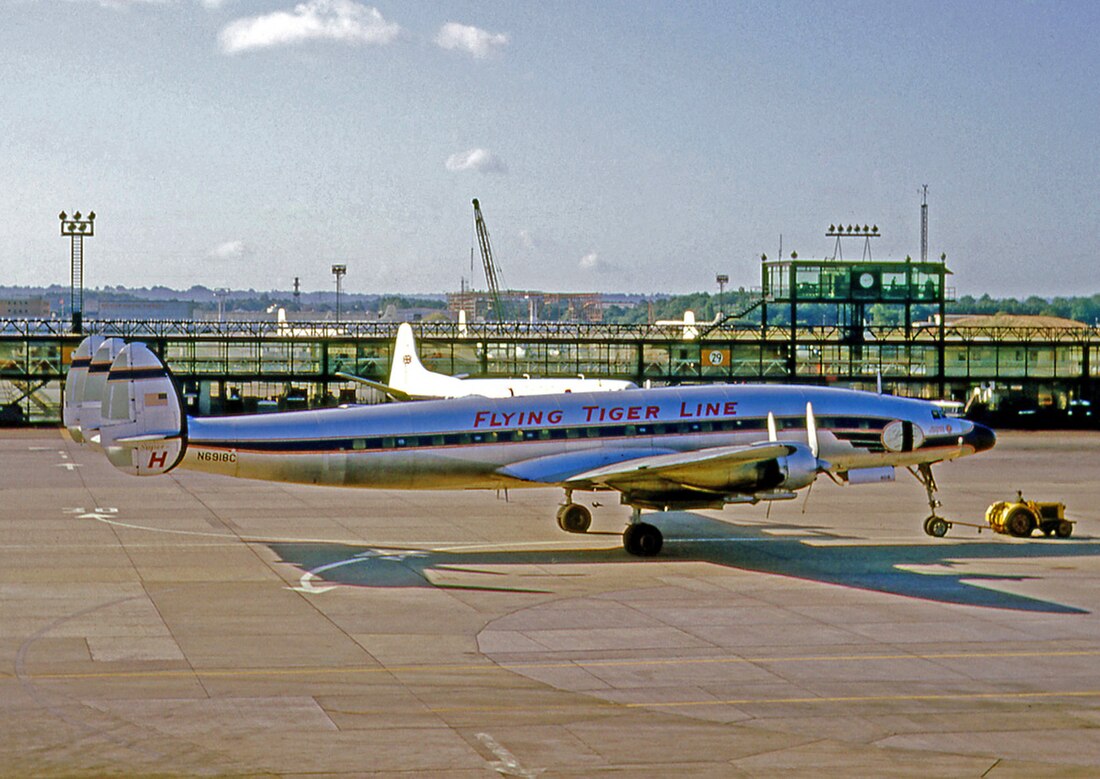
point(838, 293)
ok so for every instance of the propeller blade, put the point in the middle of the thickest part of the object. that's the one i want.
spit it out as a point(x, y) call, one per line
point(811, 431)
point(772, 435)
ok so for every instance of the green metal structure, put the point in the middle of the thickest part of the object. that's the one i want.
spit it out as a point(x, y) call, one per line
point(255, 366)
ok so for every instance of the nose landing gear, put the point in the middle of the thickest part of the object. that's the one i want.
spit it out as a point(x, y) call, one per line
point(934, 525)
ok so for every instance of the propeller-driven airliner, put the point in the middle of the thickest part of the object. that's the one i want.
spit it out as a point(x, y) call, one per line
point(410, 380)
point(672, 448)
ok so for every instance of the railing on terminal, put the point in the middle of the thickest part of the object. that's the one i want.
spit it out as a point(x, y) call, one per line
point(245, 365)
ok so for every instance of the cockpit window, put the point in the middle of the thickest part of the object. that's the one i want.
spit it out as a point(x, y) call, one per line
point(937, 413)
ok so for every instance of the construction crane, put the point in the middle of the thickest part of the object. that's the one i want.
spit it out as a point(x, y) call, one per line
point(487, 259)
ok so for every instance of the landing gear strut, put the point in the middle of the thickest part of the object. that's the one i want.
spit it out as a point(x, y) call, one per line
point(573, 517)
point(935, 525)
point(641, 538)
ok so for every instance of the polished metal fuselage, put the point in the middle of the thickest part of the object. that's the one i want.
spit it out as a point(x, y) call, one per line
point(465, 442)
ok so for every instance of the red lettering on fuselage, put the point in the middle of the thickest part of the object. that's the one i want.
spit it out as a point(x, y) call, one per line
point(596, 414)
point(727, 409)
point(619, 413)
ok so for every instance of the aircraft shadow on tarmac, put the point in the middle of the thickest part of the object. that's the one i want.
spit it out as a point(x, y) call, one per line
point(885, 568)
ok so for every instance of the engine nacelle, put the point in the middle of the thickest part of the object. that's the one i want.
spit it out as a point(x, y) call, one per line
point(795, 470)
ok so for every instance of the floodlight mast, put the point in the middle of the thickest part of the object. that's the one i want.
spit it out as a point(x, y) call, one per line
point(77, 227)
point(866, 233)
point(339, 271)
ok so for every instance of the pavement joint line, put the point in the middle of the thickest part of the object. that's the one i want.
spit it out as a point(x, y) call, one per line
point(792, 700)
point(321, 670)
point(444, 546)
point(432, 546)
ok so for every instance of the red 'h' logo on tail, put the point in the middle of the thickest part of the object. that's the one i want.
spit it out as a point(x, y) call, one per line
point(158, 459)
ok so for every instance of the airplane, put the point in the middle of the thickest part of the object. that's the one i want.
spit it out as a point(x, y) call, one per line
point(663, 449)
point(671, 448)
point(410, 380)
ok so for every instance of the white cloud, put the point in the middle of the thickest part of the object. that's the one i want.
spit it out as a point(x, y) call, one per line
point(230, 250)
point(590, 261)
point(472, 40)
point(481, 160)
point(122, 5)
point(337, 20)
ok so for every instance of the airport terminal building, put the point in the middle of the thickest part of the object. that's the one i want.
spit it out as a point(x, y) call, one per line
point(812, 328)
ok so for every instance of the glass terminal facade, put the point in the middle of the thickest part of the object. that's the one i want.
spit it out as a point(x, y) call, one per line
point(258, 366)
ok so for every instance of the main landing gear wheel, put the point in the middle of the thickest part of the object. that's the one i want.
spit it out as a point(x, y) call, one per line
point(574, 518)
point(936, 526)
point(642, 539)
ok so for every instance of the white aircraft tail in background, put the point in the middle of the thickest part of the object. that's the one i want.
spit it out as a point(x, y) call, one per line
point(410, 380)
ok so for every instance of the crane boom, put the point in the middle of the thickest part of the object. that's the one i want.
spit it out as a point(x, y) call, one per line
point(487, 259)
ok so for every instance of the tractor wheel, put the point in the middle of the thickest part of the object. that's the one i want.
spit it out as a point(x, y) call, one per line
point(1020, 522)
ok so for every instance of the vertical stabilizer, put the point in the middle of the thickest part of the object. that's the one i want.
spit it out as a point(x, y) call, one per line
point(409, 375)
point(74, 385)
point(144, 430)
point(95, 387)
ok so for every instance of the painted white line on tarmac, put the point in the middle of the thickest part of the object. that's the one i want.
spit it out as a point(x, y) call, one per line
point(506, 763)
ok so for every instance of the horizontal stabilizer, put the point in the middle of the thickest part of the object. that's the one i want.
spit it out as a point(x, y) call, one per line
point(393, 392)
point(143, 439)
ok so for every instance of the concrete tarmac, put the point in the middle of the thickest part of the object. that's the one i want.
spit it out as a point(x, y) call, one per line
point(193, 625)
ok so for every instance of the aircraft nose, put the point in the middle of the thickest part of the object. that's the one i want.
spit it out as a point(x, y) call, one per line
point(980, 438)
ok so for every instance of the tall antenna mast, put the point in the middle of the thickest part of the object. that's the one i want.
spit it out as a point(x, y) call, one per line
point(924, 224)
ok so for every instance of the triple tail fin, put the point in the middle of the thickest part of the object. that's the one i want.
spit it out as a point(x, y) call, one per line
point(144, 430)
point(74, 385)
point(87, 411)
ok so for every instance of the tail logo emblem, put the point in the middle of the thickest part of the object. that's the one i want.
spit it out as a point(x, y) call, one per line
point(158, 459)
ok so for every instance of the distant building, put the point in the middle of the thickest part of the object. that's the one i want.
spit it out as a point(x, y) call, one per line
point(141, 309)
point(25, 308)
point(521, 305)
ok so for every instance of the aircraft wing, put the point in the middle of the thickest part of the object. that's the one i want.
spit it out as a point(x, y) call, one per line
point(719, 469)
point(725, 468)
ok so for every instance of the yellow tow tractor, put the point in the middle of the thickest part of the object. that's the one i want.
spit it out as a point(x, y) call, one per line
point(1020, 517)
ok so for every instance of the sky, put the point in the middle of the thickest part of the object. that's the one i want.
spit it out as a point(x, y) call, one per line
point(614, 146)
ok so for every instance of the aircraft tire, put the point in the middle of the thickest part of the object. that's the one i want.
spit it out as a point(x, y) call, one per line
point(642, 540)
point(1020, 522)
point(574, 518)
point(935, 526)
